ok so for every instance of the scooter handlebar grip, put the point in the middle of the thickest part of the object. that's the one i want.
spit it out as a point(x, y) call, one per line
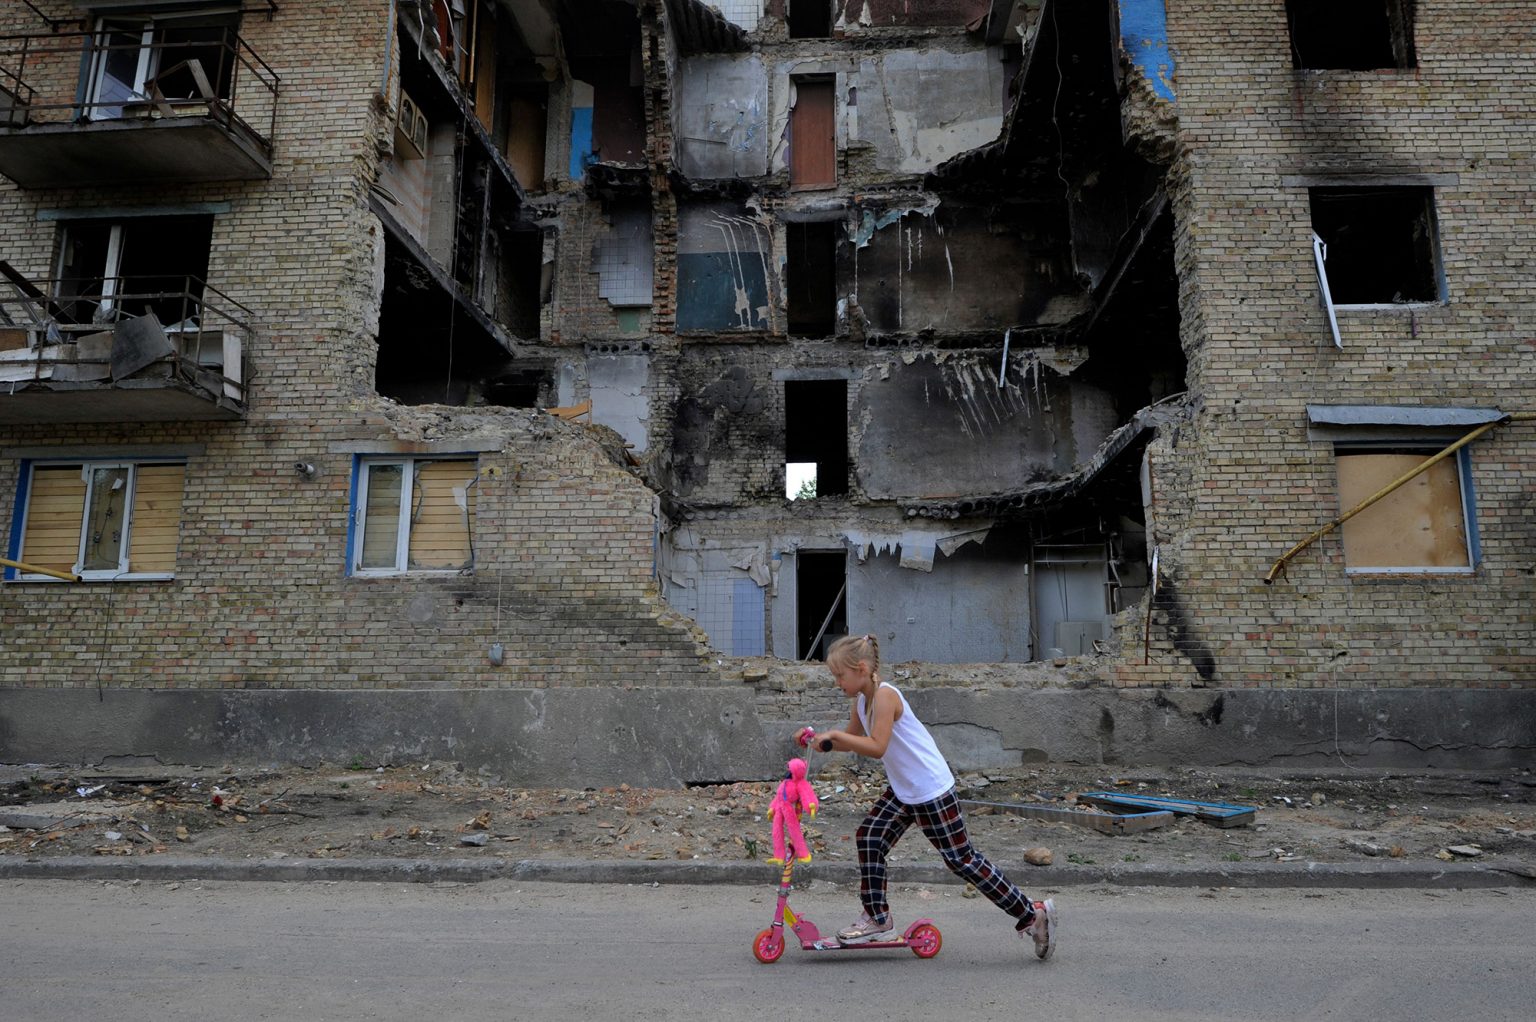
point(825, 745)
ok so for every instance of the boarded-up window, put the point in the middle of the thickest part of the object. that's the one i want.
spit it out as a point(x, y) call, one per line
point(414, 515)
point(103, 520)
point(1420, 526)
point(812, 135)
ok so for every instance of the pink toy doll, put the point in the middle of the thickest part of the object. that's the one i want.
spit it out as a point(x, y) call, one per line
point(795, 796)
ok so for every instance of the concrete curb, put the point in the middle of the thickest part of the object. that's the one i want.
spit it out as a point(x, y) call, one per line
point(1363, 876)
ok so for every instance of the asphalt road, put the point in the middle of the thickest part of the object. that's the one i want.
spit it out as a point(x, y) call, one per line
point(501, 950)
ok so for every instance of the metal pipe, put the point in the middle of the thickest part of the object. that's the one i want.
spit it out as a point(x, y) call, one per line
point(33, 569)
point(1385, 490)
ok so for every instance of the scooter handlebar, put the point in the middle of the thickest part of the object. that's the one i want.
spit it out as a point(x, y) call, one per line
point(803, 739)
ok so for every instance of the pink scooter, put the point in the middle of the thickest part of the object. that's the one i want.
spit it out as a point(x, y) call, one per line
point(922, 936)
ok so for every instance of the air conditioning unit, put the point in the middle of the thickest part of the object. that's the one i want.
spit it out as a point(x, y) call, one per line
point(410, 129)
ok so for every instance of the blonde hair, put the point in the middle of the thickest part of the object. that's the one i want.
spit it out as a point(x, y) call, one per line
point(850, 649)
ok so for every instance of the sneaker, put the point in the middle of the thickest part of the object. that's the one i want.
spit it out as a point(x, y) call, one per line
point(1042, 928)
point(866, 929)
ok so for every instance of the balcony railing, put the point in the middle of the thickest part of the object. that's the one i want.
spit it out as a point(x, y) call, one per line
point(120, 349)
point(66, 98)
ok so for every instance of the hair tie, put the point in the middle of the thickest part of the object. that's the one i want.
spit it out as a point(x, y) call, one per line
point(868, 637)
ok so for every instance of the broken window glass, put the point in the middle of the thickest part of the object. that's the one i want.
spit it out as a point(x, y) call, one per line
point(1380, 244)
point(1351, 35)
point(103, 521)
point(136, 63)
point(414, 515)
point(111, 269)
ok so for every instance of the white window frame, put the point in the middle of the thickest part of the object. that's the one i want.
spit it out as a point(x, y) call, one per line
point(88, 470)
point(149, 54)
point(401, 564)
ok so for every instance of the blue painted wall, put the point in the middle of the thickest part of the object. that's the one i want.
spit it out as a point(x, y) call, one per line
point(1144, 34)
point(706, 290)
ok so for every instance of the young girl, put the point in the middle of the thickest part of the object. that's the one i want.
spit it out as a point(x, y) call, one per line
point(922, 790)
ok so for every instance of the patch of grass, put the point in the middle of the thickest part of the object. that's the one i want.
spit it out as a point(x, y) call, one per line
point(1133, 857)
point(1233, 857)
point(1080, 859)
point(357, 764)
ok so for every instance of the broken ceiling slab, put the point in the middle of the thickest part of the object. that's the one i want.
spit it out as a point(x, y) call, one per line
point(1124, 439)
point(701, 28)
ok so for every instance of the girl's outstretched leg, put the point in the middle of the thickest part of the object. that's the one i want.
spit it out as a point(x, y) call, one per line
point(888, 819)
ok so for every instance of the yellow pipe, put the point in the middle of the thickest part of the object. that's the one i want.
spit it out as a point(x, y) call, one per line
point(33, 569)
point(1373, 498)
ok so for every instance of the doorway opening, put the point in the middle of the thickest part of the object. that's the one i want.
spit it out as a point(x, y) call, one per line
point(816, 434)
point(821, 603)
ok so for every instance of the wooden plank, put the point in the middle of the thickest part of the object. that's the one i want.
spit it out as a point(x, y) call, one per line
point(1218, 814)
point(1104, 823)
point(1419, 525)
point(156, 522)
point(55, 510)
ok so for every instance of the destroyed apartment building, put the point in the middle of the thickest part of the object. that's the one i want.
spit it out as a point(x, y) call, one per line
point(543, 384)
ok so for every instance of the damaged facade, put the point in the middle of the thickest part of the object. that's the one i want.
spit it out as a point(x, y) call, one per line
point(617, 344)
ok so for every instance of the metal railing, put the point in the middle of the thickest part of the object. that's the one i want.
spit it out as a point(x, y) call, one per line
point(207, 336)
point(58, 77)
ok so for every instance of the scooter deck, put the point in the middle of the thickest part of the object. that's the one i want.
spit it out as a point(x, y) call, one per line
point(832, 944)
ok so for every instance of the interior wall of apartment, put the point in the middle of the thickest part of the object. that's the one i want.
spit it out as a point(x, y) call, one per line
point(940, 424)
point(955, 268)
point(723, 268)
point(918, 107)
point(619, 388)
point(972, 607)
point(720, 114)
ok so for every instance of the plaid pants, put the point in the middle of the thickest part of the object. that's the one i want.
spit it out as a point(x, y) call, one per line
point(942, 821)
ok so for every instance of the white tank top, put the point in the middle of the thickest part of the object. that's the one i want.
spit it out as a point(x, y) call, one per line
point(913, 763)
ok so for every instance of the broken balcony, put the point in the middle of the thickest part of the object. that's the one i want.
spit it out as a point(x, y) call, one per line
point(129, 103)
point(129, 350)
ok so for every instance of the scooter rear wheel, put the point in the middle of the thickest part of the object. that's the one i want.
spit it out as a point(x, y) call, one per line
point(767, 947)
point(925, 941)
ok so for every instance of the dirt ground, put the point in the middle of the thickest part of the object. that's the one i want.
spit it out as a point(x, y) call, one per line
point(434, 810)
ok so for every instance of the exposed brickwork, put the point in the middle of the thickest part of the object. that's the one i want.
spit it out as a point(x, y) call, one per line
point(1242, 482)
point(563, 536)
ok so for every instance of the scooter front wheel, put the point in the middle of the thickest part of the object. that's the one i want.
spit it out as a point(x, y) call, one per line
point(925, 941)
point(768, 946)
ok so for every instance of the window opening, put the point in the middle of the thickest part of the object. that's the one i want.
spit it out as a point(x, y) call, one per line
point(821, 580)
point(1351, 35)
point(112, 269)
point(810, 272)
point(1380, 244)
point(135, 61)
point(812, 134)
point(1425, 525)
point(414, 514)
point(810, 19)
point(816, 434)
point(102, 520)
